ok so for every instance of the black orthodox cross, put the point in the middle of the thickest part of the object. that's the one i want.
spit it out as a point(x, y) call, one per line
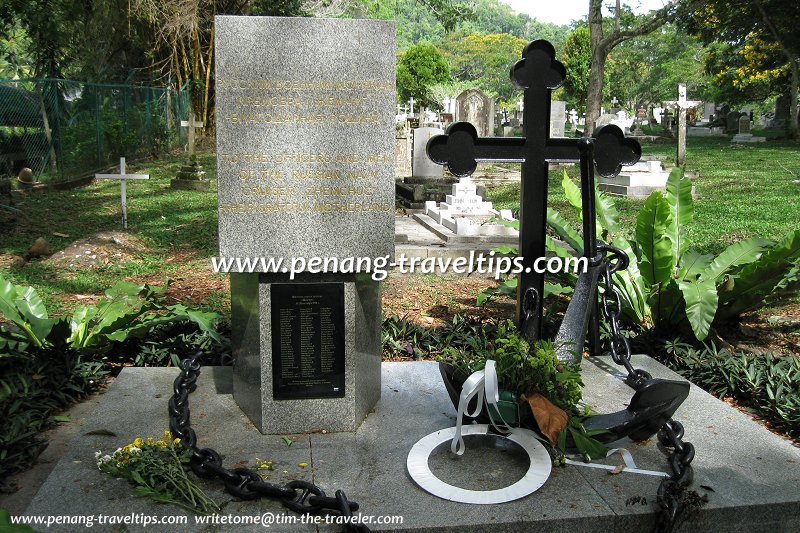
point(537, 74)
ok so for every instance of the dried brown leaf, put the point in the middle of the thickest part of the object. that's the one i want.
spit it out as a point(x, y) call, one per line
point(551, 419)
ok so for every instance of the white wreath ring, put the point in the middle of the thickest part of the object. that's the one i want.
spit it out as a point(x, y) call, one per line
point(537, 474)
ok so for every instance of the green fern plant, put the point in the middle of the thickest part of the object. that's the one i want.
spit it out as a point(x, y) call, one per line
point(669, 284)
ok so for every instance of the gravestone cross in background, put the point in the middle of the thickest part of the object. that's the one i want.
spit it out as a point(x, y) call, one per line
point(682, 104)
point(538, 73)
point(192, 124)
point(123, 177)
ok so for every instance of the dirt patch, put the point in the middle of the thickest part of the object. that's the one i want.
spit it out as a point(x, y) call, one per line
point(11, 261)
point(104, 248)
point(775, 331)
point(431, 301)
point(193, 283)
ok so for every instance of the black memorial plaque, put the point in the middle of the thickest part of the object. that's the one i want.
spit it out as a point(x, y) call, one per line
point(307, 340)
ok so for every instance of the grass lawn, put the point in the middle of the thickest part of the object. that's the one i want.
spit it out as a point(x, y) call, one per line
point(178, 230)
point(741, 192)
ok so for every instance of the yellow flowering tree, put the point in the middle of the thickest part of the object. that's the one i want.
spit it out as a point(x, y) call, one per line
point(755, 47)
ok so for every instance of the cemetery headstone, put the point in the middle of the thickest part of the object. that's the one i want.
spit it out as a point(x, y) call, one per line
point(402, 154)
point(782, 111)
point(744, 135)
point(123, 177)
point(658, 114)
point(305, 122)
point(558, 118)
point(709, 112)
point(744, 124)
point(732, 124)
point(475, 107)
point(422, 168)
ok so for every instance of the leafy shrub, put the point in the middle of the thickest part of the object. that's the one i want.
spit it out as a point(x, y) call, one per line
point(769, 385)
point(405, 339)
point(670, 285)
point(31, 388)
point(46, 363)
point(170, 343)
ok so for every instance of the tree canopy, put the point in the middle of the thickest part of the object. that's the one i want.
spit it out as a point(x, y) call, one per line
point(756, 48)
point(418, 69)
point(485, 60)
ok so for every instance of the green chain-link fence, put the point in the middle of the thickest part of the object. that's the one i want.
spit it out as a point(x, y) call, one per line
point(64, 129)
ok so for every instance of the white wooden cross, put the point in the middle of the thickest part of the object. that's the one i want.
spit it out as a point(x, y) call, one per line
point(123, 177)
point(614, 102)
point(521, 105)
point(682, 104)
point(191, 124)
point(411, 102)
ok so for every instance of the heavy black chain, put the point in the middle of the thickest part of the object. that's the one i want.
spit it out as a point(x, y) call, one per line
point(671, 496)
point(300, 496)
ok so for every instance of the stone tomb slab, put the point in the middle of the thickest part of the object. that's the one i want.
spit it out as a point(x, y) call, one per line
point(753, 473)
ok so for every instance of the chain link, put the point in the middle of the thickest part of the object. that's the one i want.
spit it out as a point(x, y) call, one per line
point(670, 493)
point(297, 495)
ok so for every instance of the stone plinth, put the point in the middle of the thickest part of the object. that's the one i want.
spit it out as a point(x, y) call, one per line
point(306, 164)
point(336, 399)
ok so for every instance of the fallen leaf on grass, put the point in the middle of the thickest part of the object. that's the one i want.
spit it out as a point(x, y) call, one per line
point(551, 419)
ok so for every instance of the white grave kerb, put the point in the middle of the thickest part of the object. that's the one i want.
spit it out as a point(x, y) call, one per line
point(192, 125)
point(123, 177)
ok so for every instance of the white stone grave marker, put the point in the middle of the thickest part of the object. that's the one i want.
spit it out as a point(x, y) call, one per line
point(192, 125)
point(123, 177)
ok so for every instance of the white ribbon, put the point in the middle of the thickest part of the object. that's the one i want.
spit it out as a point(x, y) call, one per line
point(482, 384)
point(630, 466)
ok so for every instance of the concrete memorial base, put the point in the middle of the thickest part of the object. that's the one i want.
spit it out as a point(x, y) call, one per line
point(749, 474)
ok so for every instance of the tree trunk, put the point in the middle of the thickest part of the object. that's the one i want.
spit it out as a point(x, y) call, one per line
point(794, 128)
point(603, 44)
point(597, 68)
point(791, 54)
